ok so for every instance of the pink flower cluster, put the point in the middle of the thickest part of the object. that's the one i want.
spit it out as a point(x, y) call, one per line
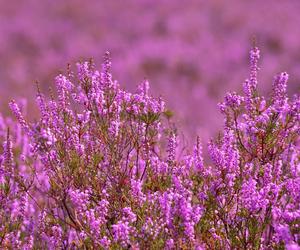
point(103, 169)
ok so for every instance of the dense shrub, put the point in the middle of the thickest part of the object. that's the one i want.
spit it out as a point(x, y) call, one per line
point(100, 169)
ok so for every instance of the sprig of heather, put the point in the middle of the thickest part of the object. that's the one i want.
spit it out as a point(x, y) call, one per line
point(100, 170)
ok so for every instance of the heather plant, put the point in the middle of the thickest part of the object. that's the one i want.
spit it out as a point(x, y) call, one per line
point(101, 169)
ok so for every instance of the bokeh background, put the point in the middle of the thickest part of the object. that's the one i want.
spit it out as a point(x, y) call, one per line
point(191, 51)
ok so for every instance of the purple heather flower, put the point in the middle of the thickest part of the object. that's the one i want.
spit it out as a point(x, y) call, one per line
point(95, 174)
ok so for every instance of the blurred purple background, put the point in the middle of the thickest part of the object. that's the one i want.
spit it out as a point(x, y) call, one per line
point(191, 51)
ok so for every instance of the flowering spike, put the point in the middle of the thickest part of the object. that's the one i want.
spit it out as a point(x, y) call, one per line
point(41, 103)
point(106, 77)
point(16, 111)
point(144, 88)
point(8, 154)
point(254, 56)
point(198, 155)
point(63, 86)
point(172, 143)
point(279, 86)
